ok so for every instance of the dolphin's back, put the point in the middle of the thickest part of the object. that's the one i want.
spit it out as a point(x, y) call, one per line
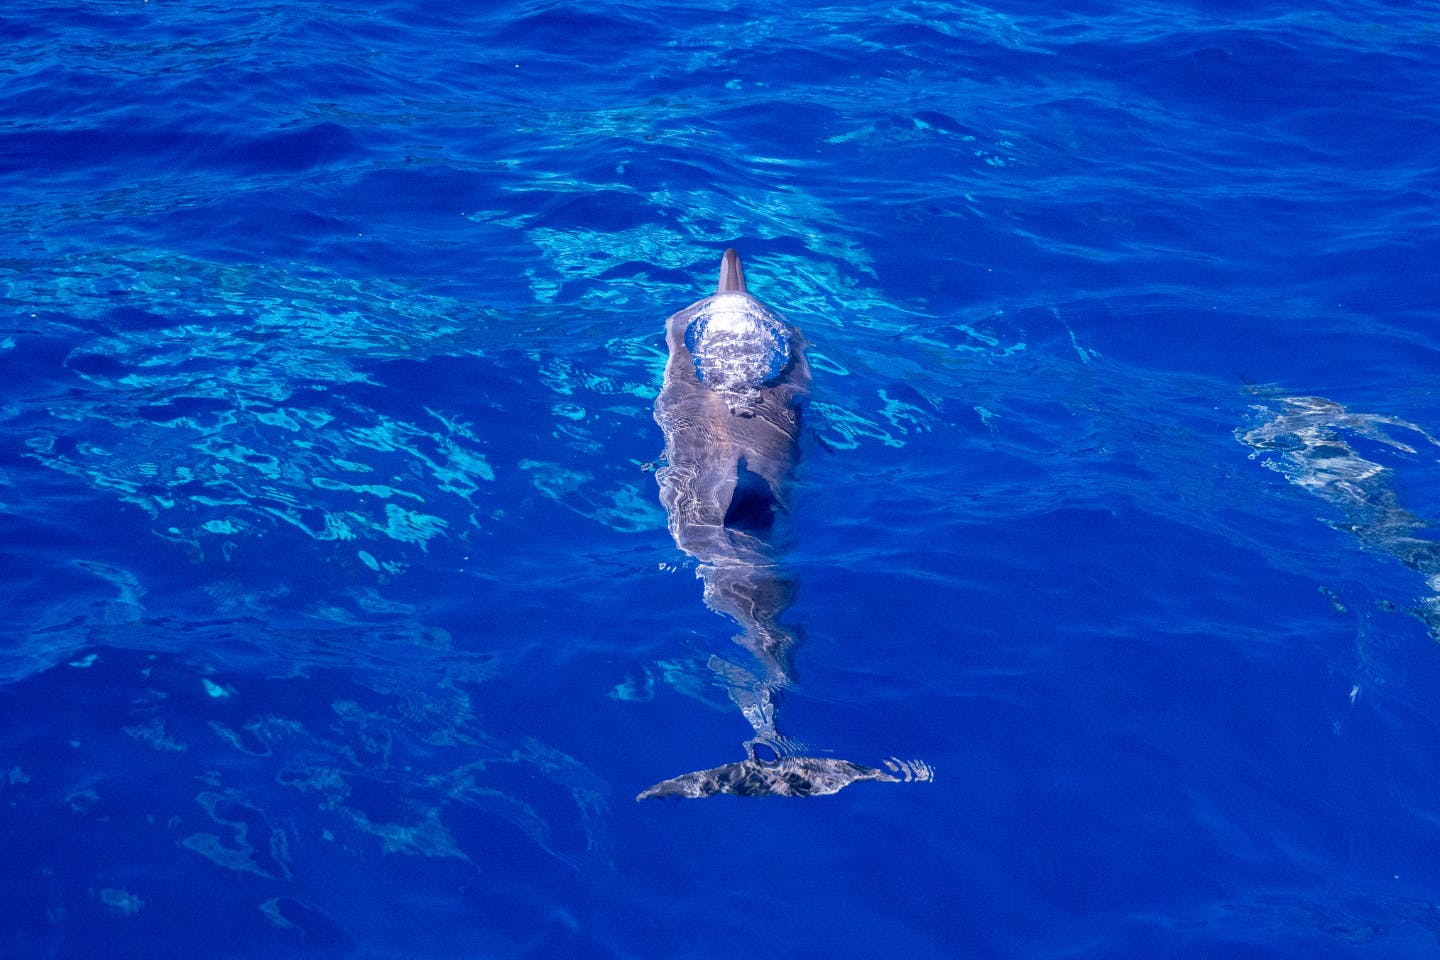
point(730, 448)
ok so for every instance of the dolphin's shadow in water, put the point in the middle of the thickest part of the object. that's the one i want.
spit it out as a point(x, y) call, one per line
point(730, 408)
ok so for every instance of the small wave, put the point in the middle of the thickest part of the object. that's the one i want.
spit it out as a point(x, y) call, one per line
point(911, 770)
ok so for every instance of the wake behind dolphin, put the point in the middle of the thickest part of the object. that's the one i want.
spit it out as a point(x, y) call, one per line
point(730, 408)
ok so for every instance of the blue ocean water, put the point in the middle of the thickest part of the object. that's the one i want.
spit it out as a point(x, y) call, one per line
point(338, 613)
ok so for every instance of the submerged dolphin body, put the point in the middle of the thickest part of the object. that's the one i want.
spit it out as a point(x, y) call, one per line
point(730, 409)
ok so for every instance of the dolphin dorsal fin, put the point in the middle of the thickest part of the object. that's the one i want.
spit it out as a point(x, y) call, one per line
point(732, 275)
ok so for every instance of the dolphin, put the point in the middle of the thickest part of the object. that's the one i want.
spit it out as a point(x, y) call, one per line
point(730, 408)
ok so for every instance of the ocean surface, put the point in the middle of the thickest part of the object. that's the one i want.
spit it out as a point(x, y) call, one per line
point(338, 612)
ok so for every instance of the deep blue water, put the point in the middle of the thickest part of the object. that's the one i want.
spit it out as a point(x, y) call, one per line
point(339, 616)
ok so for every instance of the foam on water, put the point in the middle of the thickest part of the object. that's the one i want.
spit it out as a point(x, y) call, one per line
point(737, 344)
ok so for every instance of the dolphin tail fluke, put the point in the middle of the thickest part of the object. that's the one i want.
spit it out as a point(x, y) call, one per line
point(732, 274)
point(786, 777)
